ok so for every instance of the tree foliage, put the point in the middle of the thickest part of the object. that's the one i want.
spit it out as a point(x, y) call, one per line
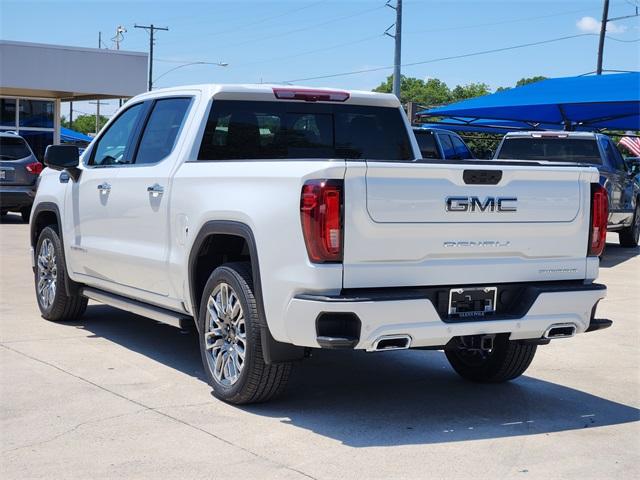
point(431, 91)
point(85, 123)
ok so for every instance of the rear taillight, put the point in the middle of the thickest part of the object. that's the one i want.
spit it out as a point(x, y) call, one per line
point(599, 219)
point(321, 216)
point(34, 168)
point(311, 94)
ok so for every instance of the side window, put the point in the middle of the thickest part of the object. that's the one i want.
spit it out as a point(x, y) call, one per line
point(162, 129)
point(114, 146)
point(447, 146)
point(427, 143)
point(461, 149)
point(609, 156)
point(617, 156)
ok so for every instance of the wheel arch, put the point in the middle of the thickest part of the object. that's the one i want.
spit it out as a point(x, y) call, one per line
point(273, 351)
point(45, 214)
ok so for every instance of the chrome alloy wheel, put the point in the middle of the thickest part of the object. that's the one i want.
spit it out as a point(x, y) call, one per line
point(225, 336)
point(47, 273)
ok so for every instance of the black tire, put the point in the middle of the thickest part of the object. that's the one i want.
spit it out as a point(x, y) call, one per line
point(257, 381)
point(506, 361)
point(630, 235)
point(25, 213)
point(59, 307)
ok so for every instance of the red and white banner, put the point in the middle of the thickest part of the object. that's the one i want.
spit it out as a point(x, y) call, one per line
point(632, 144)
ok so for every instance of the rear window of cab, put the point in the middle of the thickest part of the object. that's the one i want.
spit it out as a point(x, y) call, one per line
point(239, 130)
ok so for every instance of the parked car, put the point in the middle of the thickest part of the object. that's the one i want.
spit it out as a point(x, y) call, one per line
point(616, 176)
point(633, 163)
point(281, 219)
point(19, 170)
point(440, 144)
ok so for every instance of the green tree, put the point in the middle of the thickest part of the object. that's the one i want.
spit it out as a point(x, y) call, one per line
point(523, 81)
point(430, 92)
point(84, 123)
point(527, 81)
point(462, 92)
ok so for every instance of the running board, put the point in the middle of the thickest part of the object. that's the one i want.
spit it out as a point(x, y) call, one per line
point(139, 308)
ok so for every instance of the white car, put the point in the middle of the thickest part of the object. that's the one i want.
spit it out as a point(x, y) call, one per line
point(282, 219)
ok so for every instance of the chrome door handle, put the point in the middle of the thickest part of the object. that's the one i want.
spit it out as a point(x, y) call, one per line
point(104, 188)
point(155, 190)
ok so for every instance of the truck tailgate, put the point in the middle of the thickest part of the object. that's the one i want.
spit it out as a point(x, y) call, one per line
point(411, 224)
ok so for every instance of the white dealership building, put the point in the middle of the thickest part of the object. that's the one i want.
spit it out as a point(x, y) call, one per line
point(36, 78)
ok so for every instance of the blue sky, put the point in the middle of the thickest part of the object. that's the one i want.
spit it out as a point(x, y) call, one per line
point(297, 39)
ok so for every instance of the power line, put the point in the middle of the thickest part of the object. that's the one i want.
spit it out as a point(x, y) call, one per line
point(372, 37)
point(453, 57)
point(499, 22)
point(309, 27)
point(244, 26)
point(317, 50)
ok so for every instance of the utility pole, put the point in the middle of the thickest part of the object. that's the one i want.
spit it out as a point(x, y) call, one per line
point(397, 54)
point(151, 30)
point(603, 32)
point(98, 101)
point(71, 115)
point(119, 37)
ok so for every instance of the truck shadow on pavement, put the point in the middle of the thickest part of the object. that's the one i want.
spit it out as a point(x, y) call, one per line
point(614, 255)
point(384, 399)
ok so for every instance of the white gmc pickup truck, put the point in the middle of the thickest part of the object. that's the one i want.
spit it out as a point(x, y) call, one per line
point(282, 219)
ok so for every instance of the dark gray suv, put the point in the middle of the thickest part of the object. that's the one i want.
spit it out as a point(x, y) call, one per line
point(19, 170)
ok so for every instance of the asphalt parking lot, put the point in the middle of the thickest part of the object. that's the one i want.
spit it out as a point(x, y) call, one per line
point(117, 395)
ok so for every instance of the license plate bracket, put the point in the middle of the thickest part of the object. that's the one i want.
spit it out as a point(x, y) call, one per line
point(472, 302)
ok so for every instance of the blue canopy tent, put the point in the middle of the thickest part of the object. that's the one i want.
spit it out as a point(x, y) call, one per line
point(485, 125)
point(574, 103)
point(68, 135)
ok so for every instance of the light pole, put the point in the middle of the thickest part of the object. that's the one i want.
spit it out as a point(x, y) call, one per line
point(217, 64)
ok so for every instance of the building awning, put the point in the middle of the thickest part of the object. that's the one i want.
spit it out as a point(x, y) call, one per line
point(70, 73)
point(586, 102)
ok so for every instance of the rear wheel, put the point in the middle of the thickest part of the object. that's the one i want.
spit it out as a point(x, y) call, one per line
point(50, 280)
point(505, 361)
point(230, 339)
point(629, 236)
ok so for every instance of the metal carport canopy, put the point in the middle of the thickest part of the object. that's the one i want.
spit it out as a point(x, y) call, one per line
point(586, 102)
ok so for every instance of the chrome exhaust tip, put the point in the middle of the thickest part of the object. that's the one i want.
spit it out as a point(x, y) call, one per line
point(391, 342)
point(560, 330)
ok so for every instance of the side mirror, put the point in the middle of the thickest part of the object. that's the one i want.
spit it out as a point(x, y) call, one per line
point(63, 157)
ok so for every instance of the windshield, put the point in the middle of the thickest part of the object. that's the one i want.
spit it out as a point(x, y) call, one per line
point(553, 149)
point(13, 148)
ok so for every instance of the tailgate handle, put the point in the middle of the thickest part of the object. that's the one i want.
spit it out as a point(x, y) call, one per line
point(482, 177)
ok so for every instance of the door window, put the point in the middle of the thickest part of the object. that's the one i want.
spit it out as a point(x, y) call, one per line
point(608, 153)
point(461, 149)
point(162, 130)
point(447, 146)
point(617, 157)
point(427, 143)
point(114, 146)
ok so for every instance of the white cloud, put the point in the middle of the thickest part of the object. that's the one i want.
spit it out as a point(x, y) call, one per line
point(591, 25)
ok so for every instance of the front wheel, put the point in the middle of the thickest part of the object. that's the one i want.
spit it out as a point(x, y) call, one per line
point(230, 339)
point(630, 235)
point(50, 277)
point(505, 361)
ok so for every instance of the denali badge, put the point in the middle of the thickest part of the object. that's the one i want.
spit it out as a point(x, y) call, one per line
point(473, 204)
point(478, 243)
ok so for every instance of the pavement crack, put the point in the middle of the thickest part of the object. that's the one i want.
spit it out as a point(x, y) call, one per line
point(156, 410)
point(71, 430)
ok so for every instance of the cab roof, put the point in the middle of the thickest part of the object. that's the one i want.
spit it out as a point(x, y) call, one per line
point(268, 92)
